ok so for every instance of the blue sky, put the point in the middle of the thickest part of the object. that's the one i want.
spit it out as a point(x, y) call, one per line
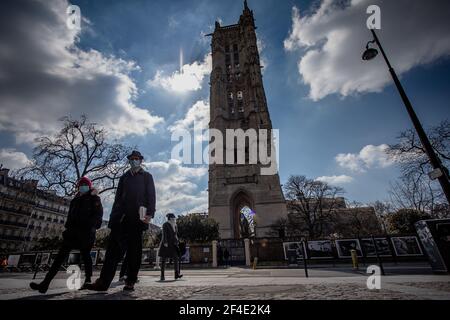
point(306, 46)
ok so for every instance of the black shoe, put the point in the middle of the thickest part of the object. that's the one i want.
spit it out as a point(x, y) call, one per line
point(96, 286)
point(178, 276)
point(86, 284)
point(128, 287)
point(42, 288)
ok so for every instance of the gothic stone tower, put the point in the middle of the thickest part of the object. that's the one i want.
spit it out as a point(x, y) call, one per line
point(237, 100)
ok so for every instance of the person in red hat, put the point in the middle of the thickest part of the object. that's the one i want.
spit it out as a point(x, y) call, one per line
point(84, 218)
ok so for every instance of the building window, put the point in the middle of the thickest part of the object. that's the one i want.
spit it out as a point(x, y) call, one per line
point(227, 48)
point(235, 47)
point(230, 95)
point(240, 95)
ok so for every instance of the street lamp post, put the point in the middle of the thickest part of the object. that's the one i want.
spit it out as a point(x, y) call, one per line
point(439, 172)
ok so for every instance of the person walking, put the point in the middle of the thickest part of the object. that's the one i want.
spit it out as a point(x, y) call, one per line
point(226, 256)
point(168, 248)
point(132, 211)
point(84, 218)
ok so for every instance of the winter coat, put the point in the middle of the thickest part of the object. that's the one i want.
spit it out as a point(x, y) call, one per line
point(133, 191)
point(84, 218)
point(169, 237)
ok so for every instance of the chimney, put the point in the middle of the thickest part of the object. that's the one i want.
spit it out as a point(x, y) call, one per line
point(4, 173)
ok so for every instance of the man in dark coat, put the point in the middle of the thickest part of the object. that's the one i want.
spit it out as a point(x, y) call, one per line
point(84, 218)
point(133, 208)
point(168, 248)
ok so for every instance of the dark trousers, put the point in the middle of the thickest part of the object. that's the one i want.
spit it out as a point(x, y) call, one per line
point(123, 268)
point(176, 265)
point(121, 241)
point(63, 253)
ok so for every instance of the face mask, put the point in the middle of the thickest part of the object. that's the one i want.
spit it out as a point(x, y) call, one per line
point(135, 163)
point(84, 189)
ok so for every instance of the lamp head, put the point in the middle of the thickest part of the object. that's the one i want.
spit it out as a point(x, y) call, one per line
point(369, 53)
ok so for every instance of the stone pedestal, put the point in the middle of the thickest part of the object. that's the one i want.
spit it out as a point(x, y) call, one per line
point(214, 253)
point(247, 252)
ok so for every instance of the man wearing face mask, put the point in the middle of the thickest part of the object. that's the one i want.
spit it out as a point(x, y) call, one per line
point(133, 208)
point(84, 218)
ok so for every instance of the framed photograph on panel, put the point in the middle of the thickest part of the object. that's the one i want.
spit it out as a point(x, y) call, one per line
point(383, 247)
point(320, 249)
point(345, 245)
point(293, 251)
point(406, 246)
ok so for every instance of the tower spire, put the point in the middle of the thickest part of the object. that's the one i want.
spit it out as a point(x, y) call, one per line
point(245, 5)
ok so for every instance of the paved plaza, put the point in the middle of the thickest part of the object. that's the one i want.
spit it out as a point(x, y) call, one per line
point(402, 282)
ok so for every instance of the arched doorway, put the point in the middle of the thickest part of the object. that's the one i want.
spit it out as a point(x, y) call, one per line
point(242, 215)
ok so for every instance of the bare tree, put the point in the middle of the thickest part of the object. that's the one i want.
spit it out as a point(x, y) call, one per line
point(415, 191)
point(311, 205)
point(79, 149)
point(356, 220)
point(411, 154)
point(382, 211)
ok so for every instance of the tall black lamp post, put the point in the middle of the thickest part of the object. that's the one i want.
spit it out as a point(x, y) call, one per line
point(439, 171)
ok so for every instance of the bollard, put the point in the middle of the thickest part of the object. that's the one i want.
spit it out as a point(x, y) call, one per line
point(354, 259)
point(255, 262)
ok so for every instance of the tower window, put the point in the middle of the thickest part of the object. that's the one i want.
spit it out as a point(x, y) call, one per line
point(227, 48)
point(235, 47)
point(240, 106)
point(230, 95)
point(238, 75)
point(239, 95)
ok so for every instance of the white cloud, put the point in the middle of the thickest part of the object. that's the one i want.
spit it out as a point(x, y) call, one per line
point(369, 157)
point(335, 180)
point(190, 78)
point(198, 114)
point(332, 39)
point(177, 186)
point(46, 76)
point(12, 159)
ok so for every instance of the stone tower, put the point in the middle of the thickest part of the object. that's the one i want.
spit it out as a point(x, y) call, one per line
point(237, 100)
